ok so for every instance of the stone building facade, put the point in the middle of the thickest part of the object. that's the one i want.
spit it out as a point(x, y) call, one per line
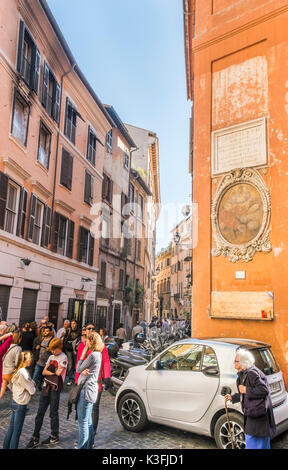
point(52, 141)
point(236, 66)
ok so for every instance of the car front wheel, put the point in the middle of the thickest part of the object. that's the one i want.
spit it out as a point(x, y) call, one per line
point(132, 413)
point(222, 434)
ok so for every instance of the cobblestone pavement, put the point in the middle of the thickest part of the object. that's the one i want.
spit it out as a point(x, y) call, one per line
point(111, 434)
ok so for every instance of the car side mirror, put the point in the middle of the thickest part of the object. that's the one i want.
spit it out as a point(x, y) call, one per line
point(157, 365)
point(211, 370)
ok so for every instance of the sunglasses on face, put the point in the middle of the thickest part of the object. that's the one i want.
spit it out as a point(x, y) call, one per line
point(90, 328)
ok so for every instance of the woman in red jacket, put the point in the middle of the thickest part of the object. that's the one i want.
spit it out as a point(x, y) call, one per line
point(104, 375)
point(3, 349)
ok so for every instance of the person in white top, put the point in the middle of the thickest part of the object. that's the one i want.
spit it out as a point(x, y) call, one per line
point(61, 332)
point(23, 388)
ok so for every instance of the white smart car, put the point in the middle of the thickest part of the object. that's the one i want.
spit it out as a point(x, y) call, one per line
point(183, 387)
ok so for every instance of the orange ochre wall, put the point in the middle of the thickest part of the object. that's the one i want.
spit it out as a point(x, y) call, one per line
point(240, 66)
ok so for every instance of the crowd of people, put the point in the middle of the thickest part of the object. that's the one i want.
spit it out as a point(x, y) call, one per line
point(36, 357)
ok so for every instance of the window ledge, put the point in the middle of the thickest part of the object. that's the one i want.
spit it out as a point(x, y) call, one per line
point(18, 143)
point(43, 167)
point(39, 188)
point(11, 165)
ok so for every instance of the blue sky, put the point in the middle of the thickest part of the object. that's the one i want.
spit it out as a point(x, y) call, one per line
point(132, 53)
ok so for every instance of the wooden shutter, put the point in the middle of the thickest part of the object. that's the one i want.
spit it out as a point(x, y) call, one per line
point(21, 213)
point(45, 85)
point(68, 104)
point(57, 103)
point(88, 141)
point(70, 313)
point(80, 243)
point(121, 277)
point(87, 187)
point(32, 212)
point(89, 311)
point(46, 225)
point(103, 273)
point(70, 239)
point(3, 197)
point(4, 301)
point(66, 170)
point(91, 250)
point(110, 197)
point(55, 232)
point(36, 80)
point(104, 186)
point(28, 306)
point(20, 47)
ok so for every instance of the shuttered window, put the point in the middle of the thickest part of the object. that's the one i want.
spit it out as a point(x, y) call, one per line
point(39, 222)
point(63, 235)
point(70, 121)
point(88, 188)
point(44, 145)
point(29, 59)
point(4, 302)
point(20, 119)
point(85, 246)
point(103, 274)
point(51, 93)
point(89, 311)
point(121, 279)
point(138, 250)
point(91, 146)
point(66, 170)
point(28, 306)
point(101, 318)
point(107, 189)
point(109, 140)
point(13, 203)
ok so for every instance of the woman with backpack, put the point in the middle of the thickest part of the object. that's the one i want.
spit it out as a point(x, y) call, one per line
point(254, 395)
point(10, 361)
point(22, 390)
point(88, 369)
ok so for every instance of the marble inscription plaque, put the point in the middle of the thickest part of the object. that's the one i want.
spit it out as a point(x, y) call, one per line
point(240, 146)
point(242, 305)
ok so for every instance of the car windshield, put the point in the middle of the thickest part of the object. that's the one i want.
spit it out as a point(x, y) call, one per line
point(265, 361)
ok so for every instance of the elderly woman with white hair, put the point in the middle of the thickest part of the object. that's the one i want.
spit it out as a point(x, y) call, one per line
point(255, 398)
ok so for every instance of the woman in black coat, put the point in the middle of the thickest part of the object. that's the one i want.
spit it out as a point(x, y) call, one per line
point(254, 395)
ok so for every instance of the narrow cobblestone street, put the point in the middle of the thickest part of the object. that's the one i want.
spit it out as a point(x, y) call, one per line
point(111, 434)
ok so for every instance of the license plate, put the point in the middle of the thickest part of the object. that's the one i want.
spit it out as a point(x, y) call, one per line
point(276, 387)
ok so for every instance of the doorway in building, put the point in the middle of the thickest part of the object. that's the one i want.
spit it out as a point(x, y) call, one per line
point(116, 320)
point(101, 318)
point(4, 302)
point(54, 305)
point(75, 310)
point(28, 306)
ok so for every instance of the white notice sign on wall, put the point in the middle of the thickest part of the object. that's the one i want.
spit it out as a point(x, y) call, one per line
point(240, 146)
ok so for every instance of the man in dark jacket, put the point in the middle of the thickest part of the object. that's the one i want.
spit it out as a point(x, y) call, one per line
point(254, 395)
point(72, 334)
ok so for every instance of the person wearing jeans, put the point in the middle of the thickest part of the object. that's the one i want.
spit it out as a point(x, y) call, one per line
point(86, 429)
point(50, 395)
point(89, 372)
point(22, 389)
point(104, 374)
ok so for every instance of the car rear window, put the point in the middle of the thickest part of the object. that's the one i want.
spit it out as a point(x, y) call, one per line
point(265, 361)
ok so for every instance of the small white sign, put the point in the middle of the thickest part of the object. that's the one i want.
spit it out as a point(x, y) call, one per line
point(240, 274)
